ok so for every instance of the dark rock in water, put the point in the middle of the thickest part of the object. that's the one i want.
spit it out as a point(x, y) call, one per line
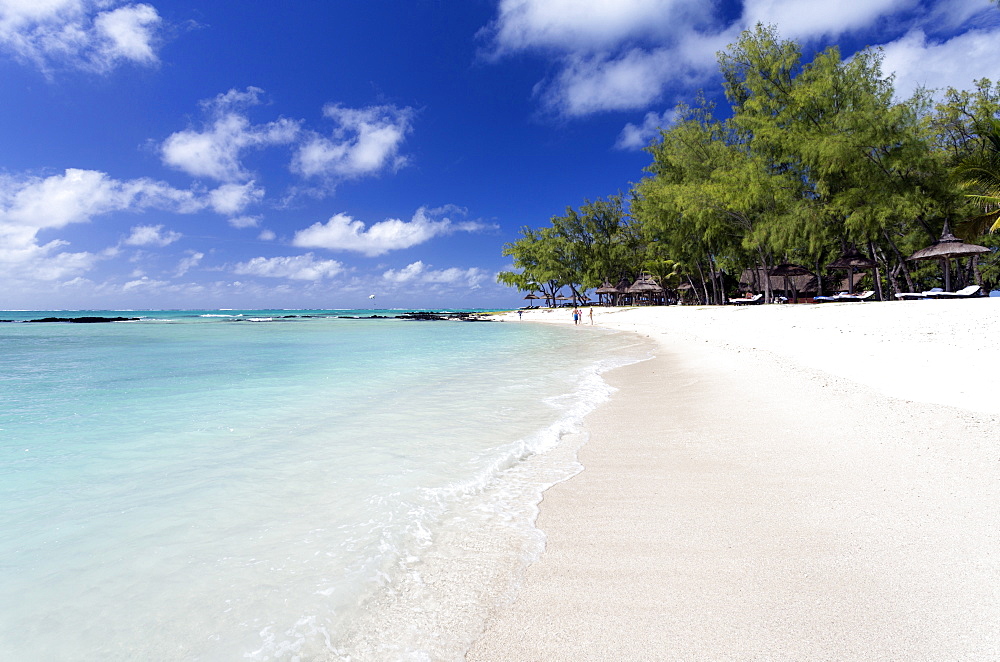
point(421, 316)
point(86, 320)
point(430, 316)
point(288, 317)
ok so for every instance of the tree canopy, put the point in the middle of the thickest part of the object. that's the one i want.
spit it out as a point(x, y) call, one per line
point(813, 160)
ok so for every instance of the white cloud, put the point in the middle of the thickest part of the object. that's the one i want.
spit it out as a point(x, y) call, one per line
point(626, 55)
point(233, 198)
point(418, 272)
point(405, 274)
point(635, 136)
point(192, 260)
point(594, 84)
point(364, 141)
point(151, 235)
point(29, 205)
point(78, 195)
point(244, 221)
point(215, 151)
point(343, 233)
point(145, 283)
point(957, 62)
point(297, 267)
point(94, 35)
point(23, 259)
point(610, 56)
point(127, 33)
point(267, 235)
point(589, 25)
point(806, 19)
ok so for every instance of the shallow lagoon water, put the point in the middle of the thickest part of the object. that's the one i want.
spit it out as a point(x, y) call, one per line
point(197, 485)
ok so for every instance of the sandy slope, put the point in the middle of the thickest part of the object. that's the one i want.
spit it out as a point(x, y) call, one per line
point(779, 483)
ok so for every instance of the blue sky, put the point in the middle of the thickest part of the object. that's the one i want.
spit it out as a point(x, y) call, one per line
point(178, 154)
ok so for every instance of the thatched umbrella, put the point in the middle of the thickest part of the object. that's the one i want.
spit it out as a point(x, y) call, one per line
point(785, 271)
point(948, 246)
point(608, 289)
point(532, 296)
point(851, 259)
point(646, 287)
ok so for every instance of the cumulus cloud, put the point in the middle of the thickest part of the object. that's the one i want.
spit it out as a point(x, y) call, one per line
point(151, 235)
point(296, 267)
point(599, 83)
point(589, 25)
point(94, 35)
point(231, 199)
point(364, 141)
point(29, 205)
point(628, 54)
point(610, 56)
point(418, 272)
point(806, 19)
point(919, 61)
point(343, 233)
point(637, 136)
point(214, 152)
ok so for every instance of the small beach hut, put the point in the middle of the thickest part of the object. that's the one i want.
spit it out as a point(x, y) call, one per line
point(607, 294)
point(645, 290)
point(945, 248)
point(787, 271)
point(852, 260)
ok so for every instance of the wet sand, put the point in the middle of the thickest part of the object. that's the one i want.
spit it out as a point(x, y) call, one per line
point(779, 483)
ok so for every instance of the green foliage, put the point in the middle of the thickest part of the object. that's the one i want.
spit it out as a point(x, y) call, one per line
point(817, 157)
point(579, 250)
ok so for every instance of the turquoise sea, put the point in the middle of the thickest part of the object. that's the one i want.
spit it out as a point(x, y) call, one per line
point(278, 485)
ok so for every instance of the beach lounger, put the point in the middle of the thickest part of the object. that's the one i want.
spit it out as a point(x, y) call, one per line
point(757, 298)
point(844, 296)
point(864, 296)
point(964, 293)
point(912, 296)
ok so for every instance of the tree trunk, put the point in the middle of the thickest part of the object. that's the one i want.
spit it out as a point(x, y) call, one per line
point(768, 293)
point(704, 285)
point(902, 262)
point(878, 275)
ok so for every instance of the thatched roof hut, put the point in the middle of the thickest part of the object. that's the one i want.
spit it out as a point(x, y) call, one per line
point(645, 290)
point(608, 294)
point(805, 284)
point(851, 259)
point(947, 247)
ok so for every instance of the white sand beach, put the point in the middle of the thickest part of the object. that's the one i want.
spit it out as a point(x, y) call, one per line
point(799, 482)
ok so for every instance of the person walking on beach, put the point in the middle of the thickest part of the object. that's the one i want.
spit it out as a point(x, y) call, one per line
point(519, 313)
point(591, 317)
point(576, 316)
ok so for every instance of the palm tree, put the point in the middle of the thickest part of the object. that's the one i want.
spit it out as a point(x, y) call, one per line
point(979, 172)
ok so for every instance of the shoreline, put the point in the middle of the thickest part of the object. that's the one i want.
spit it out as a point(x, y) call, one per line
point(779, 482)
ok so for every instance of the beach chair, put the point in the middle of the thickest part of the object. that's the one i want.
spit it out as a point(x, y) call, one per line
point(864, 296)
point(964, 293)
point(913, 296)
point(743, 301)
point(845, 296)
